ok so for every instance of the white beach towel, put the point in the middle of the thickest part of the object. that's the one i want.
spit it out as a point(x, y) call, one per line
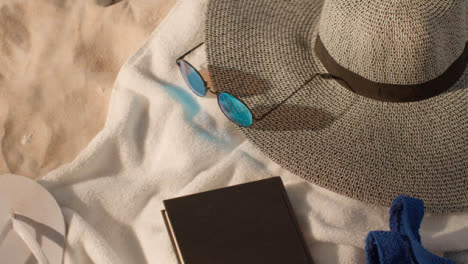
point(161, 141)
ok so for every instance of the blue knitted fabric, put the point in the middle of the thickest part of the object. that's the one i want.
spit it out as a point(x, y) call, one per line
point(402, 244)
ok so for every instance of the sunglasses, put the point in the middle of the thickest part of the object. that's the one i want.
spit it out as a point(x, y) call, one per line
point(232, 107)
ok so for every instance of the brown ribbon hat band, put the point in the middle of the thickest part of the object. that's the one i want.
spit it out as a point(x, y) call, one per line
point(392, 92)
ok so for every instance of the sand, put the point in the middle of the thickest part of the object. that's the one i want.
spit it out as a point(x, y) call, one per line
point(58, 63)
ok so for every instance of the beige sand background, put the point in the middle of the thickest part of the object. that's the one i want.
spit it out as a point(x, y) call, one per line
point(58, 62)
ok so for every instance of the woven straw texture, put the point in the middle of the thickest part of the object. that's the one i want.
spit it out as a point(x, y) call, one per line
point(417, 39)
point(261, 51)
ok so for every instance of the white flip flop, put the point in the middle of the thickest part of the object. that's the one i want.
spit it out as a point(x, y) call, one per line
point(32, 227)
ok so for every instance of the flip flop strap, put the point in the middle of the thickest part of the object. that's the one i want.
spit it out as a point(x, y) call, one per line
point(4, 229)
point(28, 239)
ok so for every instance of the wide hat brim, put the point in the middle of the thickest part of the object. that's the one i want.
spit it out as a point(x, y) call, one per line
point(262, 51)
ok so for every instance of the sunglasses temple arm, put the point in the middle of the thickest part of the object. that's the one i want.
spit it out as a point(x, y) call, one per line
point(284, 100)
point(324, 75)
point(188, 52)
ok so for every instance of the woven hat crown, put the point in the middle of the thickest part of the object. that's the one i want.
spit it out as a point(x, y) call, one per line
point(395, 41)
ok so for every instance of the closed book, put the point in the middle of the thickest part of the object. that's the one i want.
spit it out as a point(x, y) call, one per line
point(247, 223)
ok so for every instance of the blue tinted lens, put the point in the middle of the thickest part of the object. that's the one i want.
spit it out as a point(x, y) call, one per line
point(192, 78)
point(235, 109)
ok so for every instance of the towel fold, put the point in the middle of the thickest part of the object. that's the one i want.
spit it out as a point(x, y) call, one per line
point(402, 244)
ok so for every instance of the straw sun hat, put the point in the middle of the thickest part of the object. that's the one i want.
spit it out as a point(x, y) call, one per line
point(392, 120)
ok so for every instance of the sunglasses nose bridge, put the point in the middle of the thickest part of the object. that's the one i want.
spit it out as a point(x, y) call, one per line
point(233, 108)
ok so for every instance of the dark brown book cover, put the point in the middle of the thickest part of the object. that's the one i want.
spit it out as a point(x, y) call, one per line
point(247, 223)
